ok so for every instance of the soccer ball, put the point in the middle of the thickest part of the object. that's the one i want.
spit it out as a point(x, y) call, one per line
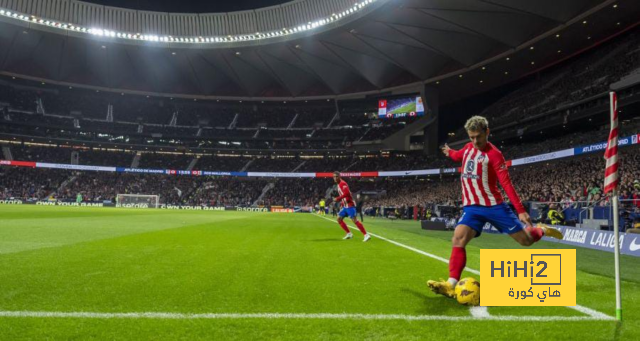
point(468, 291)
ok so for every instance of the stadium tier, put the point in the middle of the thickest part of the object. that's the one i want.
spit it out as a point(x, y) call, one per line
point(319, 170)
point(424, 191)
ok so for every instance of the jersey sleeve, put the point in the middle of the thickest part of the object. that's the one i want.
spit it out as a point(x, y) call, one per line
point(457, 155)
point(500, 167)
point(345, 191)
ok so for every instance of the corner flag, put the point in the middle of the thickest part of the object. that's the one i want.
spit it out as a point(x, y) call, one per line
point(611, 182)
point(611, 178)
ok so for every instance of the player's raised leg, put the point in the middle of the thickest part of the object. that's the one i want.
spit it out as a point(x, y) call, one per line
point(532, 234)
point(462, 235)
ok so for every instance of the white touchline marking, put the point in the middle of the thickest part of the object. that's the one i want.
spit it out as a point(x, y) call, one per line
point(409, 248)
point(588, 311)
point(480, 312)
point(284, 316)
point(591, 312)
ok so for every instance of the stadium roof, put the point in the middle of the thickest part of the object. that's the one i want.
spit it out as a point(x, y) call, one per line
point(189, 6)
point(461, 46)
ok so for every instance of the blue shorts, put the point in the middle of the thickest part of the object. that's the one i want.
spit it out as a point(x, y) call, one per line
point(499, 216)
point(348, 211)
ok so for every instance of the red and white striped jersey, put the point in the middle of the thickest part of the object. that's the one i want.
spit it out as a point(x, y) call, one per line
point(480, 173)
point(345, 195)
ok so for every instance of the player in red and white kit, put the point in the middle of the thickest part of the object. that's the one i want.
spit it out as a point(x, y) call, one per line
point(482, 167)
point(348, 208)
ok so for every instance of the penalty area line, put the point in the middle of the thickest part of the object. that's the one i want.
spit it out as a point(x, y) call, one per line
point(284, 316)
point(593, 314)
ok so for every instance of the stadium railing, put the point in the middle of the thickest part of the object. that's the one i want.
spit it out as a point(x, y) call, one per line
point(597, 212)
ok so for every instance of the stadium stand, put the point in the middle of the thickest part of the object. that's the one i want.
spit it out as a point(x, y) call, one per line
point(240, 137)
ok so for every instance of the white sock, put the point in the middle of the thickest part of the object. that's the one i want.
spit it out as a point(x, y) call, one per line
point(453, 281)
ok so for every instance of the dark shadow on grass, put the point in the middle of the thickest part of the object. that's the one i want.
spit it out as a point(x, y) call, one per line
point(618, 330)
point(434, 305)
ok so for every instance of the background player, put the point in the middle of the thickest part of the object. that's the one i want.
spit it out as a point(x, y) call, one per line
point(360, 206)
point(482, 167)
point(322, 207)
point(348, 208)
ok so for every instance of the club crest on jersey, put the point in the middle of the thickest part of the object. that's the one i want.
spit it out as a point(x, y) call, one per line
point(470, 166)
point(481, 158)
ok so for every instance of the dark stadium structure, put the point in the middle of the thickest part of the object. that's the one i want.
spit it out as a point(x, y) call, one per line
point(289, 92)
point(385, 46)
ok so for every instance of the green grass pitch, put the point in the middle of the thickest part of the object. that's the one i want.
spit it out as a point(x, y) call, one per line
point(118, 274)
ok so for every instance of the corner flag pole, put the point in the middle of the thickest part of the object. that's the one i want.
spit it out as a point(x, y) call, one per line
point(611, 182)
point(617, 255)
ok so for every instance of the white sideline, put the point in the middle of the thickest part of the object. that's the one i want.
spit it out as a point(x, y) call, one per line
point(594, 314)
point(284, 316)
point(480, 312)
point(591, 312)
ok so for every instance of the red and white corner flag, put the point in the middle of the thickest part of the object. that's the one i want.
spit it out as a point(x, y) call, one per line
point(611, 177)
point(611, 182)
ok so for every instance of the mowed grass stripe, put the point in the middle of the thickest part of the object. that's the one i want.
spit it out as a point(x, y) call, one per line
point(546, 311)
point(304, 329)
point(48, 226)
point(595, 275)
point(403, 271)
point(264, 263)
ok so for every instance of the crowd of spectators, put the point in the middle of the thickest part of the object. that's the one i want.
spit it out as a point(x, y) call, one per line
point(26, 183)
point(589, 75)
point(225, 191)
point(165, 161)
point(309, 162)
point(274, 164)
point(105, 158)
point(83, 115)
point(221, 163)
point(574, 182)
point(570, 183)
point(296, 192)
point(41, 154)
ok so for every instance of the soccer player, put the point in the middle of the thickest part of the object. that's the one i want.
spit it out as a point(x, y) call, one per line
point(360, 206)
point(482, 167)
point(348, 208)
point(322, 208)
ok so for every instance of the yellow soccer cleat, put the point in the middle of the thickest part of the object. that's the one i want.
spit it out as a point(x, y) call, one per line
point(551, 231)
point(442, 287)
